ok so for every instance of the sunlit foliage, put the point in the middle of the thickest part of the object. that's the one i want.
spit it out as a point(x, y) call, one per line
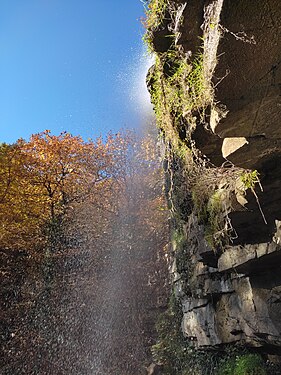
point(83, 235)
point(45, 177)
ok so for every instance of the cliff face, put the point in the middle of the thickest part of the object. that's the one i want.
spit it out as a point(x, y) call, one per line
point(216, 89)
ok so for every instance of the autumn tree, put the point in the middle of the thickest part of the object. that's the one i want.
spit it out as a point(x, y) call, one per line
point(83, 230)
point(46, 177)
point(15, 220)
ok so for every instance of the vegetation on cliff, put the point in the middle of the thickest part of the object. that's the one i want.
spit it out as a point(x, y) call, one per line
point(200, 192)
point(182, 93)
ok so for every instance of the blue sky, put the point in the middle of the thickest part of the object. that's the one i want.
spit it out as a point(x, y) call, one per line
point(71, 65)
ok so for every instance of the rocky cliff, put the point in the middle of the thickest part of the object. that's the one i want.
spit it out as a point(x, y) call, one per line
point(216, 91)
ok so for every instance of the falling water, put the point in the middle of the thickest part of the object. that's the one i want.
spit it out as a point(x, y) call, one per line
point(129, 294)
point(132, 84)
point(91, 311)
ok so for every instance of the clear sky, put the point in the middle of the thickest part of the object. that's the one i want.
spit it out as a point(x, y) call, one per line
point(71, 65)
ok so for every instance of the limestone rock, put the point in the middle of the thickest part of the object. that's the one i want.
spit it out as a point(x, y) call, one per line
point(240, 301)
point(250, 153)
point(199, 324)
point(232, 145)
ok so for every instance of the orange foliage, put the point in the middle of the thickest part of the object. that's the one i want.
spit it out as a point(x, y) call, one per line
point(43, 178)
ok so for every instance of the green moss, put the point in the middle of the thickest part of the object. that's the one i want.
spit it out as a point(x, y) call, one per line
point(182, 151)
point(248, 364)
point(177, 238)
point(214, 221)
point(185, 87)
point(182, 256)
point(208, 205)
point(171, 347)
point(157, 92)
point(178, 87)
point(227, 367)
point(251, 364)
